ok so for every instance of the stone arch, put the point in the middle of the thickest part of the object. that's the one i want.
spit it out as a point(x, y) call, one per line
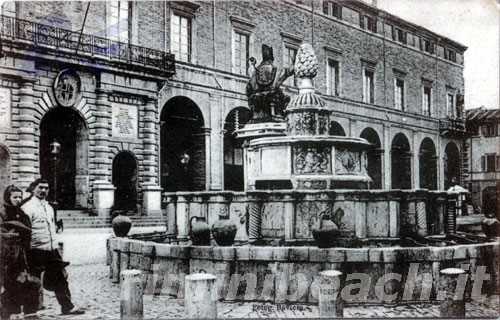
point(182, 146)
point(233, 151)
point(336, 129)
point(374, 157)
point(428, 164)
point(125, 169)
point(47, 102)
point(451, 165)
point(70, 171)
point(400, 162)
point(5, 177)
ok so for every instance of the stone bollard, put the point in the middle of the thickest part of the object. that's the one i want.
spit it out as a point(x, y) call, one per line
point(131, 304)
point(451, 293)
point(330, 303)
point(200, 298)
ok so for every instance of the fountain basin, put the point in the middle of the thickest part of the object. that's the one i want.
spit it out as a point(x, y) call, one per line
point(290, 274)
point(307, 162)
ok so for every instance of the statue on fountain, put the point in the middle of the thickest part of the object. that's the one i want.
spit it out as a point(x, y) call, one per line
point(266, 100)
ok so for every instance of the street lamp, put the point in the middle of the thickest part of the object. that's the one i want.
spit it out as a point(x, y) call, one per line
point(55, 149)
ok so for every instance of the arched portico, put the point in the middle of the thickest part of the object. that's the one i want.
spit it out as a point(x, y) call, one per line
point(374, 157)
point(428, 165)
point(400, 162)
point(182, 146)
point(451, 165)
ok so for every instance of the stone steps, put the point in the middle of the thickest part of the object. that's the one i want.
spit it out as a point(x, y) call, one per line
point(80, 219)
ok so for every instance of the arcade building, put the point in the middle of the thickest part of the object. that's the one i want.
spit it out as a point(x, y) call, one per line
point(144, 97)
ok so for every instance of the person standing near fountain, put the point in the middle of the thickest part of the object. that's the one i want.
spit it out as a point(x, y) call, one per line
point(44, 253)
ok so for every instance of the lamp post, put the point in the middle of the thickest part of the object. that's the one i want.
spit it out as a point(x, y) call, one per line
point(55, 149)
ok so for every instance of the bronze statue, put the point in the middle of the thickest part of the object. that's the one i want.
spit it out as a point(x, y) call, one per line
point(265, 97)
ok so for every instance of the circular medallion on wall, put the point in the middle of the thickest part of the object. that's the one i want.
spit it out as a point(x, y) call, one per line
point(67, 88)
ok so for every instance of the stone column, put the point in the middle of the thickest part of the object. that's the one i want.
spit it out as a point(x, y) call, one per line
point(421, 217)
point(415, 163)
point(28, 161)
point(289, 217)
point(441, 212)
point(200, 299)
point(452, 291)
point(100, 163)
point(151, 191)
point(182, 218)
point(170, 201)
point(330, 302)
point(255, 218)
point(208, 157)
point(131, 302)
point(451, 216)
point(215, 137)
point(386, 176)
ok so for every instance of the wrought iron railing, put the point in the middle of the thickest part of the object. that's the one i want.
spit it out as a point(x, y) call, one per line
point(452, 126)
point(45, 36)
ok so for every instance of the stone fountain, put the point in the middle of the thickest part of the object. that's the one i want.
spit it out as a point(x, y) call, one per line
point(296, 176)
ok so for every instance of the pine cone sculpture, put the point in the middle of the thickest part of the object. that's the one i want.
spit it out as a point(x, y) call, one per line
point(306, 63)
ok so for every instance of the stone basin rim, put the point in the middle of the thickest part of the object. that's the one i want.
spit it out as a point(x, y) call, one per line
point(284, 140)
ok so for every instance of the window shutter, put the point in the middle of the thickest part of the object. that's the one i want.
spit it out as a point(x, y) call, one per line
point(361, 21)
point(325, 7)
point(483, 163)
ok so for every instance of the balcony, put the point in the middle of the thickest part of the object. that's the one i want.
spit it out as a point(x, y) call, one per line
point(452, 127)
point(23, 34)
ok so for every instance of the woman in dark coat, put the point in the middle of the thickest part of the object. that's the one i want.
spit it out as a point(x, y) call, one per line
point(20, 289)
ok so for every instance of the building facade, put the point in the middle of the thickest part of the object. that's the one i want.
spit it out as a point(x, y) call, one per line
point(483, 145)
point(134, 121)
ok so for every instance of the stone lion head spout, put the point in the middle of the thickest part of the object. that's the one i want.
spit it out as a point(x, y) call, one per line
point(267, 53)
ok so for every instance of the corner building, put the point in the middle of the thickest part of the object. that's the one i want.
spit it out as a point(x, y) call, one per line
point(144, 97)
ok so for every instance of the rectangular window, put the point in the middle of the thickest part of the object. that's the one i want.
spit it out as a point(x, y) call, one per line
point(368, 23)
point(332, 78)
point(398, 35)
point(240, 52)
point(118, 21)
point(399, 94)
point(427, 100)
point(180, 37)
point(490, 129)
point(8, 9)
point(289, 61)
point(427, 46)
point(332, 9)
point(368, 86)
point(450, 55)
point(490, 162)
point(450, 105)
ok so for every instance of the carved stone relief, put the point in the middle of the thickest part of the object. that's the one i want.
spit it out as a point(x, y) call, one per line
point(312, 160)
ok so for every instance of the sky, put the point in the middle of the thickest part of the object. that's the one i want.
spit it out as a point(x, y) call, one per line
point(474, 23)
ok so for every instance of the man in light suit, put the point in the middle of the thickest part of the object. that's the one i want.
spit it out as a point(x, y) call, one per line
point(44, 254)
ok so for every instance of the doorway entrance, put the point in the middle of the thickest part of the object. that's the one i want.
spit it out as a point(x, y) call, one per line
point(125, 181)
point(68, 128)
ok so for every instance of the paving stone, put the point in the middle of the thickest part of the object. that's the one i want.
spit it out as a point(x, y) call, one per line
point(92, 290)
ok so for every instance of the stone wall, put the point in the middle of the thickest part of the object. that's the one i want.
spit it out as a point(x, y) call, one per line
point(290, 274)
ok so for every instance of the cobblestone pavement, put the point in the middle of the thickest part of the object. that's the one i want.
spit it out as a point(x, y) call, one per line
point(92, 289)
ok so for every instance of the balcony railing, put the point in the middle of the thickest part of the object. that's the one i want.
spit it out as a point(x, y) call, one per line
point(452, 127)
point(48, 37)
